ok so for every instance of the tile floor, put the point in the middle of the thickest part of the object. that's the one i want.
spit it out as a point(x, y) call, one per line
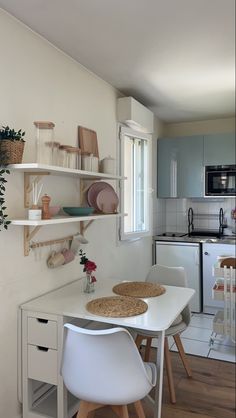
point(196, 340)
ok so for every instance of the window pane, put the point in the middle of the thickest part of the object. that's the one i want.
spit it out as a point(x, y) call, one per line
point(128, 184)
point(135, 187)
point(140, 179)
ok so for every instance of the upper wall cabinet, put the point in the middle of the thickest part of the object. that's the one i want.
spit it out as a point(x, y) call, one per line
point(180, 167)
point(167, 156)
point(181, 162)
point(219, 149)
point(190, 177)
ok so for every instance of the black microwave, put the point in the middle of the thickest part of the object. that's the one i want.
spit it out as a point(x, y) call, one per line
point(220, 180)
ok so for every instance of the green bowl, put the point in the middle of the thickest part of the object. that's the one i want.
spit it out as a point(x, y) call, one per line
point(78, 211)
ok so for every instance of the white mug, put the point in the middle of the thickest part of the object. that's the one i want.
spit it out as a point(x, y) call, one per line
point(56, 259)
point(77, 240)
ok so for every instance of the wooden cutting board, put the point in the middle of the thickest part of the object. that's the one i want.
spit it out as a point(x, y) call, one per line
point(88, 141)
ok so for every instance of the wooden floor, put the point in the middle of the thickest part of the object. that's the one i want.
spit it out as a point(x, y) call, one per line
point(210, 393)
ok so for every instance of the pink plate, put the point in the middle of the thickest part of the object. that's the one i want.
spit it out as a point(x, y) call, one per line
point(93, 191)
point(107, 201)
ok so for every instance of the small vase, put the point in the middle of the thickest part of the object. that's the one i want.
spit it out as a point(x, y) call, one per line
point(89, 284)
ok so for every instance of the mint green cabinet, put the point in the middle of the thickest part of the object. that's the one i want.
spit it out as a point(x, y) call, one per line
point(167, 156)
point(190, 171)
point(180, 167)
point(219, 149)
point(181, 161)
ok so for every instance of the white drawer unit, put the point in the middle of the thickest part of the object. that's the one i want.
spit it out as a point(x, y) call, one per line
point(42, 332)
point(42, 364)
point(41, 388)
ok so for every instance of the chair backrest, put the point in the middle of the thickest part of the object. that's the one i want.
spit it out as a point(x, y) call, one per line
point(103, 366)
point(171, 276)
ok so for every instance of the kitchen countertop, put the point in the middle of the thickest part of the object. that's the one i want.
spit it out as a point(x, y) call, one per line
point(224, 240)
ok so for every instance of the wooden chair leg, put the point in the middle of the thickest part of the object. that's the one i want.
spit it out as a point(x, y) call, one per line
point(182, 354)
point(169, 372)
point(121, 410)
point(86, 408)
point(148, 349)
point(138, 340)
point(139, 409)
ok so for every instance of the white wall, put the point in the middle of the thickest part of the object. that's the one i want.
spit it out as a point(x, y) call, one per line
point(38, 82)
point(200, 127)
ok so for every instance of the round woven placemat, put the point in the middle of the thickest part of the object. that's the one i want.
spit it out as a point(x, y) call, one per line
point(139, 289)
point(117, 306)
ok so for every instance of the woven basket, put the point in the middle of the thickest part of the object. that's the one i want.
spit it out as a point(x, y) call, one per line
point(11, 152)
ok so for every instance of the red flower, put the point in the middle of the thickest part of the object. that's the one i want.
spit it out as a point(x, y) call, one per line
point(90, 266)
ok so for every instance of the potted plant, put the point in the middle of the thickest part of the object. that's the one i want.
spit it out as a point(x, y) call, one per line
point(11, 150)
point(11, 145)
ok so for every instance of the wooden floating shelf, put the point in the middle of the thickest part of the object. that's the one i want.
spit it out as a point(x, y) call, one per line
point(63, 171)
point(31, 227)
point(29, 235)
point(62, 220)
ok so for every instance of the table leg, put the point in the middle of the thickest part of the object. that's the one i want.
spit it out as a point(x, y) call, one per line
point(62, 406)
point(159, 365)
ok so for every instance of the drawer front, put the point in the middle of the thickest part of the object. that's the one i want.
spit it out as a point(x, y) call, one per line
point(42, 364)
point(42, 332)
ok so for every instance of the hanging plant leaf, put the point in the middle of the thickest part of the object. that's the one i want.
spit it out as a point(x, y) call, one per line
point(3, 215)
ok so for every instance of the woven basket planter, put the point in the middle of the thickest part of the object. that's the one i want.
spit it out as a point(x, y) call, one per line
point(11, 151)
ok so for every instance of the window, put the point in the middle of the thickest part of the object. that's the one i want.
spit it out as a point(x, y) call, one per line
point(134, 152)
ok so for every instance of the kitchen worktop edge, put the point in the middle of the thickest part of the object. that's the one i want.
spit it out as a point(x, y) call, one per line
point(223, 240)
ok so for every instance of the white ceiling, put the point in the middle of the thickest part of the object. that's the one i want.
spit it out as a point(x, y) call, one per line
point(175, 56)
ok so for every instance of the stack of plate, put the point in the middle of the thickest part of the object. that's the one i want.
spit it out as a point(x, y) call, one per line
point(102, 197)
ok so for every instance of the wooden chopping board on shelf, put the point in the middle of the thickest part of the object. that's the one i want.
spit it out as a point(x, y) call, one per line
point(88, 141)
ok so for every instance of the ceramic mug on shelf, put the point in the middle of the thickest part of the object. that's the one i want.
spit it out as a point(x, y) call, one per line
point(56, 259)
point(77, 240)
point(68, 255)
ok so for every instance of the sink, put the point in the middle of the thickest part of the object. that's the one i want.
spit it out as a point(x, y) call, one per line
point(212, 240)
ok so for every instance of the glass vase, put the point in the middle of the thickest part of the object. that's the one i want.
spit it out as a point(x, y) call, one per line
point(89, 284)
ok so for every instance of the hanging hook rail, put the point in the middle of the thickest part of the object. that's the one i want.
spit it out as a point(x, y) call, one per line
point(51, 242)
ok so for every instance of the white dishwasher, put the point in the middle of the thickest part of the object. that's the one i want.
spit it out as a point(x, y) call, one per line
point(187, 255)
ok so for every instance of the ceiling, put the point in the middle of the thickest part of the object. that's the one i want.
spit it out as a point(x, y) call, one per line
point(177, 57)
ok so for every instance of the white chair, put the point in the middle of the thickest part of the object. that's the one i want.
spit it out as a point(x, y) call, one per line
point(104, 367)
point(172, 276)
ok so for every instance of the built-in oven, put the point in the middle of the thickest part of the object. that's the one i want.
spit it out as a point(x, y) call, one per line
point(220, 180)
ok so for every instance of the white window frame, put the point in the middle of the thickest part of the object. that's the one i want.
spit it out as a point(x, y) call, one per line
point(123, 132)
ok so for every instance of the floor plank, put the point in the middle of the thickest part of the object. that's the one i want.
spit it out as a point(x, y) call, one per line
point(209, 394)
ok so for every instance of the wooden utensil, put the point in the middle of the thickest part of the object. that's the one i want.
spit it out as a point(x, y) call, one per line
point(88, 141)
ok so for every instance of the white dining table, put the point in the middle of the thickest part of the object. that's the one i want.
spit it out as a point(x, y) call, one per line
point(69, 302)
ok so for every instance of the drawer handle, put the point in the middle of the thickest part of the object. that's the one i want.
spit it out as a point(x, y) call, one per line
point(39, 347)
point(43, 321)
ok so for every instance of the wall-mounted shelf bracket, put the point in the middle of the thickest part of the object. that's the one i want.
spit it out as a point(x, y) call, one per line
point(28, 237)
point(84, 227)
point(28, 185)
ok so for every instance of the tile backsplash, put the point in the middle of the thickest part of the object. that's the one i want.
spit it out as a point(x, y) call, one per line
point(172, 214)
